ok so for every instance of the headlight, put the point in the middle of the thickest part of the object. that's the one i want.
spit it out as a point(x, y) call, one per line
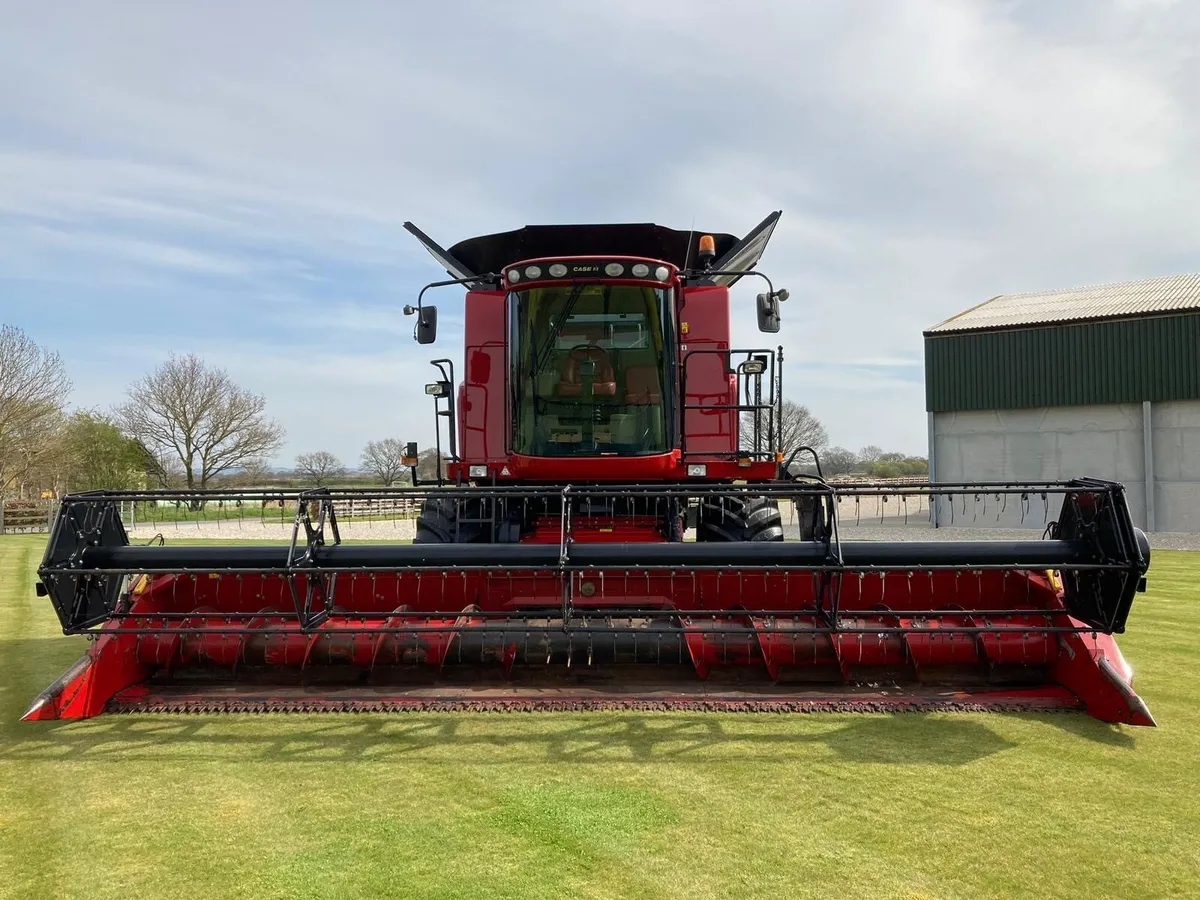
point(558, 270)
point(477, 471)
point(640, 270)
point(514, 276)
point(662, 273)
point(614, 269)
point(533, 272)
point(697, 470)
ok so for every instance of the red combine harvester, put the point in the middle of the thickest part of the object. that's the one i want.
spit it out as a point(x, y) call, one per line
point(616, 527)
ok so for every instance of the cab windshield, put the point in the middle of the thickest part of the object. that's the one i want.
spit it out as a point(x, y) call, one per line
point(588, 367)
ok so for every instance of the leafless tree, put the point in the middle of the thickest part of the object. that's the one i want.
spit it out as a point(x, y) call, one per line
point(33, 391)
point(870, 454)
point(163, 467)
point(385, 460)
point(838, 461)
point(798, 427)
point(319, 468)
point(187, 411)
point(255, 472)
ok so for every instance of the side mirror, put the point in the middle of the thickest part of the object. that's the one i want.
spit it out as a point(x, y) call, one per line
point(768, 313)
point(426, 324)
point(410, 454)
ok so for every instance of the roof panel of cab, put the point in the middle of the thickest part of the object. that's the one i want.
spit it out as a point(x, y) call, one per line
point(492, 252)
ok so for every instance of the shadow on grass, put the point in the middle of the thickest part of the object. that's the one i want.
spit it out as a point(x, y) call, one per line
point(481, 738)
point(900, 738)
point(1085, 726)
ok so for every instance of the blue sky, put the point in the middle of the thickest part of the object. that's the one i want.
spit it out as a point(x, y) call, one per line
point(232, 179)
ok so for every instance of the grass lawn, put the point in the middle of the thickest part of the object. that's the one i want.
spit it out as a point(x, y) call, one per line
point(606, 804)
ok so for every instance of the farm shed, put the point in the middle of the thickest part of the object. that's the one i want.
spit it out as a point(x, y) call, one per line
point(1097, 381)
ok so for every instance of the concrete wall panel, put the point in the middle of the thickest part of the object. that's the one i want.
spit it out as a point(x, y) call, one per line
point(1177, 414)
point(982, 422)
point(1094, 454)
point(982, 455)
point(1019, 420)
point(1031, 456)
point(1131, 455)
point(1168, 452)
point(1059, 443)
point(1177, 506)
point(1189, 454)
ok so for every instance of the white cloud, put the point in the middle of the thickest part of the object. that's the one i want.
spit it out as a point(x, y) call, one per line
point(230, 176)
point(149, 253)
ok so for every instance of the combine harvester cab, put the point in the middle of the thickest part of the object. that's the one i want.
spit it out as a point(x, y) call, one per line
point(616, 528)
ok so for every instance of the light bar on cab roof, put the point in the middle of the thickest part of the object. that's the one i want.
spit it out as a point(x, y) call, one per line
point(587, 268)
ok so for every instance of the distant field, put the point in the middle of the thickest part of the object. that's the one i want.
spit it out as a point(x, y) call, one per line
point(602, 805)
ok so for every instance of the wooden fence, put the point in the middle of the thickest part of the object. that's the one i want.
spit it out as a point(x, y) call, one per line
point(391, 508)
point(27, 516)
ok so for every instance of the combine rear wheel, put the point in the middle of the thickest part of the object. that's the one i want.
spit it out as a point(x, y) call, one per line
point(452, 520)
point(739, 519)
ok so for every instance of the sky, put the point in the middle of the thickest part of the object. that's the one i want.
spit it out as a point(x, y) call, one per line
point(231, 179)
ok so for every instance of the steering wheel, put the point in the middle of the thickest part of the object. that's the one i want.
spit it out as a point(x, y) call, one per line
point(588, 352)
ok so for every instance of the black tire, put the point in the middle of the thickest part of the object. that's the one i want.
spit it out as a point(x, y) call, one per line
point(439, 522)
point(738, 519)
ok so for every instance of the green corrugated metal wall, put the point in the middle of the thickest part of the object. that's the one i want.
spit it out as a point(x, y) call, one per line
point(1127, 361)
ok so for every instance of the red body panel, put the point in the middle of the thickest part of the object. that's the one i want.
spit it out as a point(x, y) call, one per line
point(660, 467)
point(482, 400)
point(628, 529)
point(704, 327)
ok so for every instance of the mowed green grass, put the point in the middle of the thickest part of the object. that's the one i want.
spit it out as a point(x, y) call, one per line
point(607, 804)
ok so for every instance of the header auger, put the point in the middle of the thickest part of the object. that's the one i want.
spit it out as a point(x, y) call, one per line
point(616, 527)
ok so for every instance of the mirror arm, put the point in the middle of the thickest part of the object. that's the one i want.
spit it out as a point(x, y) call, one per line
point(698, 273)
point(774, 297)
point(487, 277)
point(418, 310)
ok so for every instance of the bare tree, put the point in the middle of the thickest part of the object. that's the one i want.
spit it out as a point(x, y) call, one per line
point(870, 453)
point(319, 467)
point(838, 461)
point(188, 411)
point(255, 472)
point(385, 460)
point(163, 467)
point(33, 391)
point(798, 427)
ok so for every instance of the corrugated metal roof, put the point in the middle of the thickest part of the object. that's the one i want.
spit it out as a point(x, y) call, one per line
point(1173, 293)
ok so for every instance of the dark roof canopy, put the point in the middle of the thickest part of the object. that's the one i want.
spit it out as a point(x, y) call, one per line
point(492, 252)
